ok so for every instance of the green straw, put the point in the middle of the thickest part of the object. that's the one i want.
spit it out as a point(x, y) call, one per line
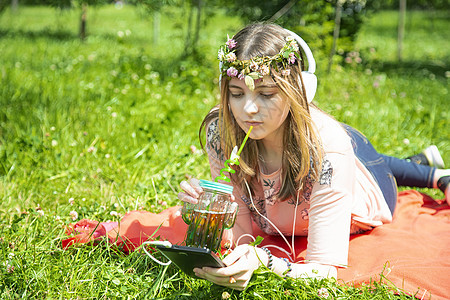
point(244, 141)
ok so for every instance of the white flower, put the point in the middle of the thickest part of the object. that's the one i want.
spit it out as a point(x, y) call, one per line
point(231, 57)
point(74, 215)
point(264, 70)
point(71, 201)
point(221, 55)
point(323, 293)
point(286, 72)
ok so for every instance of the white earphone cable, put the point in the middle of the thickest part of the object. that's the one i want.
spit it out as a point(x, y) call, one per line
point(270, 222)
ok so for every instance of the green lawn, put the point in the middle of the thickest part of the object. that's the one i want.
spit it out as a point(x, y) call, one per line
point(105, 126)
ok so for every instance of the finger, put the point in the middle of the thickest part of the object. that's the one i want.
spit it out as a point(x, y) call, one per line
point(238, 281)
point(189, 189)
point(237, 253)
point(186, 198)
point(216, 278)
point(195, 183)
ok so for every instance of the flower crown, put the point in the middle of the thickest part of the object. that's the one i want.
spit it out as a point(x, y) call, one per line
point(257, 67)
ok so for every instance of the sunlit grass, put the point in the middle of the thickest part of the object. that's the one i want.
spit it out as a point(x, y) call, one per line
point(105, 126)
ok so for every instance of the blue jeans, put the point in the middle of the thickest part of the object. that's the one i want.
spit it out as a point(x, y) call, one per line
point(389, 171)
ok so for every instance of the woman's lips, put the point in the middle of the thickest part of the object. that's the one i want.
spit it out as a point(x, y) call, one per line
point(253, 123)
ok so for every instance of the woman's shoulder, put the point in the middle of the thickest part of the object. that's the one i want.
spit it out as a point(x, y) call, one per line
point(333, 136)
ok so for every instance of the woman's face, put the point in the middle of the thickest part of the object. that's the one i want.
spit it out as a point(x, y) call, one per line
point(264, 108)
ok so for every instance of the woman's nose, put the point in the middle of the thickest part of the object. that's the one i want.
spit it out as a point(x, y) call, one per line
point(250, 106)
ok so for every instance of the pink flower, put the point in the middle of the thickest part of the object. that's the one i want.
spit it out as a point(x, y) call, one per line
point(230, 43)
point(232, 72)
point(74, 215)
point(231, 57)
point(9, 268)
point(291, 58)
point(241, 76)
point(286, 72)
point(348, 60)
point(323, 293)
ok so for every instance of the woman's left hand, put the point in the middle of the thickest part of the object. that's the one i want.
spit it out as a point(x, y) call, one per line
point(241, 263)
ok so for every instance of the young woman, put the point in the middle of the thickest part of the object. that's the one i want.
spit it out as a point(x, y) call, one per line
point(301, 172)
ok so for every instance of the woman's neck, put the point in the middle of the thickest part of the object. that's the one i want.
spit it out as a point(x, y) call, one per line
point(271, 154)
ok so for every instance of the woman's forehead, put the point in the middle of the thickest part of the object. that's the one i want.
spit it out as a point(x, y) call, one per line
point(265, 82)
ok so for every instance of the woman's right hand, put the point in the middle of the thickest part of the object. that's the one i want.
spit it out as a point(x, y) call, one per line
point(192, 191)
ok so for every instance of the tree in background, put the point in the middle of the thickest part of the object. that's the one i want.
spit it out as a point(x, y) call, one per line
point(82, 5)
point(314, 20)
point(3, 5)
point(198, 11)
point(154, 8)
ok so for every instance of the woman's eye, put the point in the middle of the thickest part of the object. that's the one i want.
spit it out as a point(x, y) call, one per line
point(267, 95)
point(236, 95)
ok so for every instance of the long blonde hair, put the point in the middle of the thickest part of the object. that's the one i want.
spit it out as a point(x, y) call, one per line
point(302, 154)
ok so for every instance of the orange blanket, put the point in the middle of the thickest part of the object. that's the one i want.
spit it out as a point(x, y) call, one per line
point(413, 252)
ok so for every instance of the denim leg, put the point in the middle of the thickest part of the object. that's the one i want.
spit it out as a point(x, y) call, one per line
point(408, 173)
point(376, 165)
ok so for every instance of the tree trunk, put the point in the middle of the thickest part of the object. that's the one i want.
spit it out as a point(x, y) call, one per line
point(83, 21)
point(197, 26)
point(187, 42)
point(337, 27)
point(156, 22)
point(401, 29)
point(14, 5)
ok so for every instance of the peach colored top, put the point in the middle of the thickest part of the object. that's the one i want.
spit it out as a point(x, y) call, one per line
point(345, 200)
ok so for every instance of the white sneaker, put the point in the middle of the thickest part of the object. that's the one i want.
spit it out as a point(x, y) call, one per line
point(434, 157)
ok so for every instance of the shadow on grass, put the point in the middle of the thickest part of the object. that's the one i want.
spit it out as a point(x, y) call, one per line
point(412, 68)
point(58, 35)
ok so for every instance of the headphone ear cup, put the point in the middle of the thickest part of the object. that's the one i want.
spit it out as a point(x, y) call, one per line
point(310, 82)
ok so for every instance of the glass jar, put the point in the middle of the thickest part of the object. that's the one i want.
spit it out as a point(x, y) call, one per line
point(207, 219)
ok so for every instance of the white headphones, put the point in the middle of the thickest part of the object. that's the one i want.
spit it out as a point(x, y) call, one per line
point(309, 78)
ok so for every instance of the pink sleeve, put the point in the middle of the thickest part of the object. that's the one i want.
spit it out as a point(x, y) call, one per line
point(330, 212)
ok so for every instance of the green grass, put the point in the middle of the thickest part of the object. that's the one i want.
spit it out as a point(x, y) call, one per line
point(109, 123)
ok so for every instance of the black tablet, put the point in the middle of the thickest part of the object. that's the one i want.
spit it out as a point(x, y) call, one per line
point(188, 258)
